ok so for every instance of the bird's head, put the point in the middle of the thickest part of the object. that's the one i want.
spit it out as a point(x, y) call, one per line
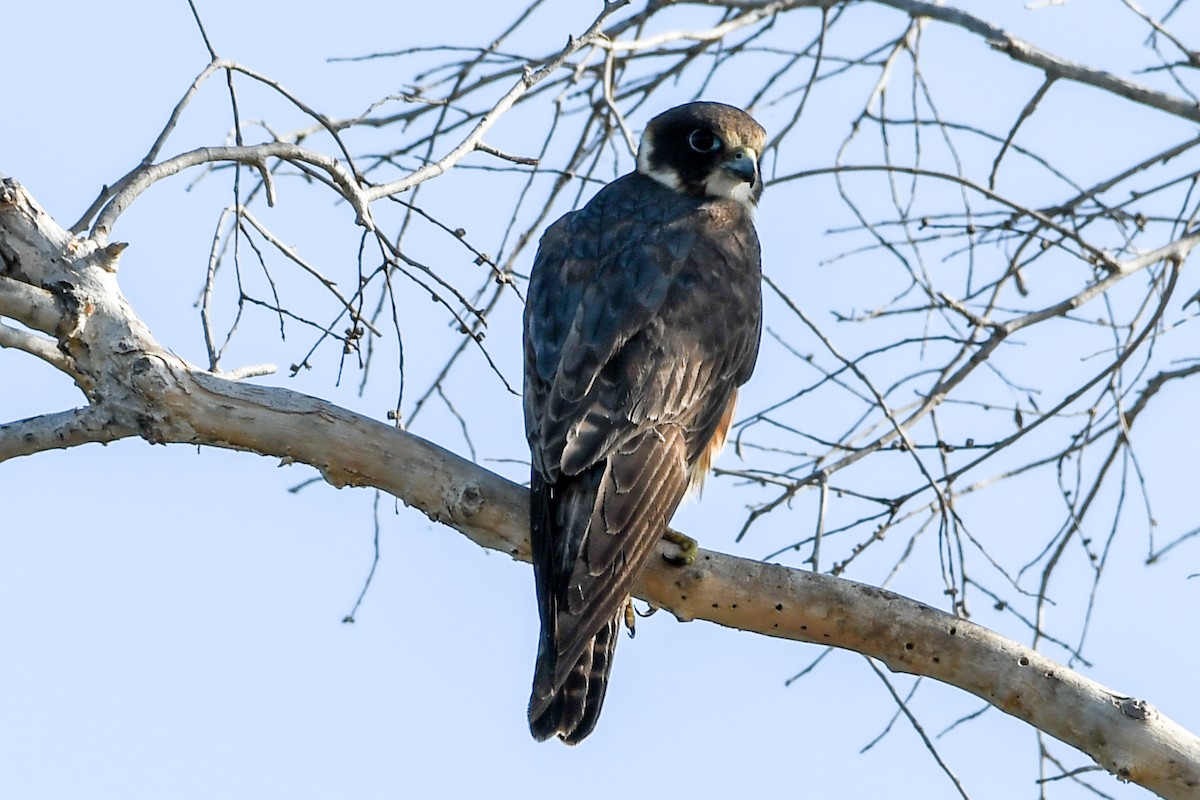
point(705, 150)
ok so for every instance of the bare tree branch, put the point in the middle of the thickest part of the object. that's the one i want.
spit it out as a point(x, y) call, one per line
point(175, 402)
point(529, 79)
point(59, 431)
point(34, 345)
point(997, 328)
point(256, 155)
point(31, 306)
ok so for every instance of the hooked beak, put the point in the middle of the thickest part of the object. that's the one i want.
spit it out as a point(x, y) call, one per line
point(743, 163)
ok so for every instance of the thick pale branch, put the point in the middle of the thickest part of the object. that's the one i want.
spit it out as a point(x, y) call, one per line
point(151, 392)
point(59, 431)
point(32, 306)
point(34, 345)
point(1126, 736)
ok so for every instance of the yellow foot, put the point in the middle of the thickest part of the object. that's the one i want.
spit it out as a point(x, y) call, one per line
point(631, 614)
point(688, 548)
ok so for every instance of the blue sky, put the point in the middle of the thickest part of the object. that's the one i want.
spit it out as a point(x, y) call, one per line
point(172, 617)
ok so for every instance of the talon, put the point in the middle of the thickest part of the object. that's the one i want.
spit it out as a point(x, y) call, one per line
point(688, 547)
point(649, 612)
point(630, 617)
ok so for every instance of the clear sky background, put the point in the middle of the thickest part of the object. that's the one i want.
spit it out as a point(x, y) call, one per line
point(171, 618)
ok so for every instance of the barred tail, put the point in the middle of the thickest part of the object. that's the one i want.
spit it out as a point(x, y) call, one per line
point(571, 709)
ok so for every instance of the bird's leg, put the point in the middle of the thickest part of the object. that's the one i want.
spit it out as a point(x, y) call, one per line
point(631, 614)
point(688, 548)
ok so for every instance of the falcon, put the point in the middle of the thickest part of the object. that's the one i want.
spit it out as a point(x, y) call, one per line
point(642, 320)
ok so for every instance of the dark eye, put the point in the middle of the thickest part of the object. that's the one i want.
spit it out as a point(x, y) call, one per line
point(703, 141)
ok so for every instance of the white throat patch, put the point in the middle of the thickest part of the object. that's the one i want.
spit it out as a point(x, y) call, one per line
point(723, 184)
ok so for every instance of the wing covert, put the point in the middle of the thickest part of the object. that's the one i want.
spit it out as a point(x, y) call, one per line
point(642, 319)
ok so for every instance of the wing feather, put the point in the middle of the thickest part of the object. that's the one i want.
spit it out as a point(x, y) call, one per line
point(641, 322)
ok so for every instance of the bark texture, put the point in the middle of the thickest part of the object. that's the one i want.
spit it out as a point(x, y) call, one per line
point(63, 290)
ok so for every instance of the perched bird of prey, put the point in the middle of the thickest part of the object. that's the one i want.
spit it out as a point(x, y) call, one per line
point(643, 318)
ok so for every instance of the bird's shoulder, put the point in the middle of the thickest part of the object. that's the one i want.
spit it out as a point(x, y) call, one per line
point(635, 222)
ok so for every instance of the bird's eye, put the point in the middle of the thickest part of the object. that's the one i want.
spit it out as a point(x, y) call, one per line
point(703, 141)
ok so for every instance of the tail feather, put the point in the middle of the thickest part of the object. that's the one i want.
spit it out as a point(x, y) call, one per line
point(571, 709)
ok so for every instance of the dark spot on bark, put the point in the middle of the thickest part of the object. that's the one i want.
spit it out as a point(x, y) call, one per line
point(779, 606)
point(908, 645)
point(1023, 661)
point(953, 631)
point(734, 605)
point(803, 627)
point(470, 500)
point(716, 605)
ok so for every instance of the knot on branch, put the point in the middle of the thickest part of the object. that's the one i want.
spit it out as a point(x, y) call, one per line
point(107, 257)
point(463, 501)
point(10, 191)
point(1135, 708)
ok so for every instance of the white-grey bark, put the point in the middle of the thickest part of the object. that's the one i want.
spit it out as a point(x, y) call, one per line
point(66, 288)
